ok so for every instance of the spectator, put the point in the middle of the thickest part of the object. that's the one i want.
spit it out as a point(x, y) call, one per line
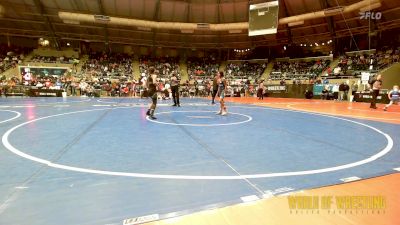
point(260, 91)
point(346, 89)
point(354, 88)
point(341, 91)
point(325, 94)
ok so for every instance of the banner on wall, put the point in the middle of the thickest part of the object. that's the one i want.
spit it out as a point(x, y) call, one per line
point(275, 88)
point(318, 88)
point(29, 72)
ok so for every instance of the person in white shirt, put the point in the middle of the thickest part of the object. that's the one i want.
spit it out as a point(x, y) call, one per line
point(83, 86)
point(39, 85)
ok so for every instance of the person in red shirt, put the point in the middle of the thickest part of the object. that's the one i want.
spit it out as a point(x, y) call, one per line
point(160, 86)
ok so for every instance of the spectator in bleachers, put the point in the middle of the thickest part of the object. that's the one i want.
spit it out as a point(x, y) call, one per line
point(298, 70)
point(244, 70)
point(109, 65)
point(201, 69)
point(10, 57)
point(165, 65)
point(351, 65)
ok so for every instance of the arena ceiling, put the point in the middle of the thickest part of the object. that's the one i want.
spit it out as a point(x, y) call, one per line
point(40, 18)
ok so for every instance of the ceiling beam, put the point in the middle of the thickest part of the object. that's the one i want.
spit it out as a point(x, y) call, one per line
point(157, 11)
point(188, 11)
point(144, 32)
point(219, 21)
point(102, 12)
point(299, 39)
point(156, 17)
point(129, 41)
point(234, 11)
point(48, 23)
point(331, 23)
point(288, 29)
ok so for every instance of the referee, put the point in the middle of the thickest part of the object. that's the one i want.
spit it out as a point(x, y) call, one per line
point(175, 90)
point(376, 86)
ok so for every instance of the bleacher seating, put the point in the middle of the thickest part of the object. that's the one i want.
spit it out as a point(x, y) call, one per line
point(201, 68)
point(165, 65)
point(298, 69)
point(113, 73)
point(104, 65)
point(52, 59)
point(244, 70)
point(354, 64)
point(10, 57)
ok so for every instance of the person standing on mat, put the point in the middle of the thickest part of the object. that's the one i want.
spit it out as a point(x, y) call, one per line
point(151, 84)
point(175, 90)
point(260, 90)
point(354, 88)
point(221, 93)
point(394, 96)
point(376, 86)
point(215, 87)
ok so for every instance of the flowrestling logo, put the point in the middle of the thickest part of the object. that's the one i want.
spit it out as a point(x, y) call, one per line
point(370, 15)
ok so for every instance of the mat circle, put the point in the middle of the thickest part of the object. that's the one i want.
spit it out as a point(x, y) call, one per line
point(381, 153)
point(248, 119)
point(18, 114)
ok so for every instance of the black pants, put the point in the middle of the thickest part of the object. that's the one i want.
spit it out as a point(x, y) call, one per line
point(214, 93)
point(175, 94)
point(153, 96)
point(375, 94)
point(260, 94)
